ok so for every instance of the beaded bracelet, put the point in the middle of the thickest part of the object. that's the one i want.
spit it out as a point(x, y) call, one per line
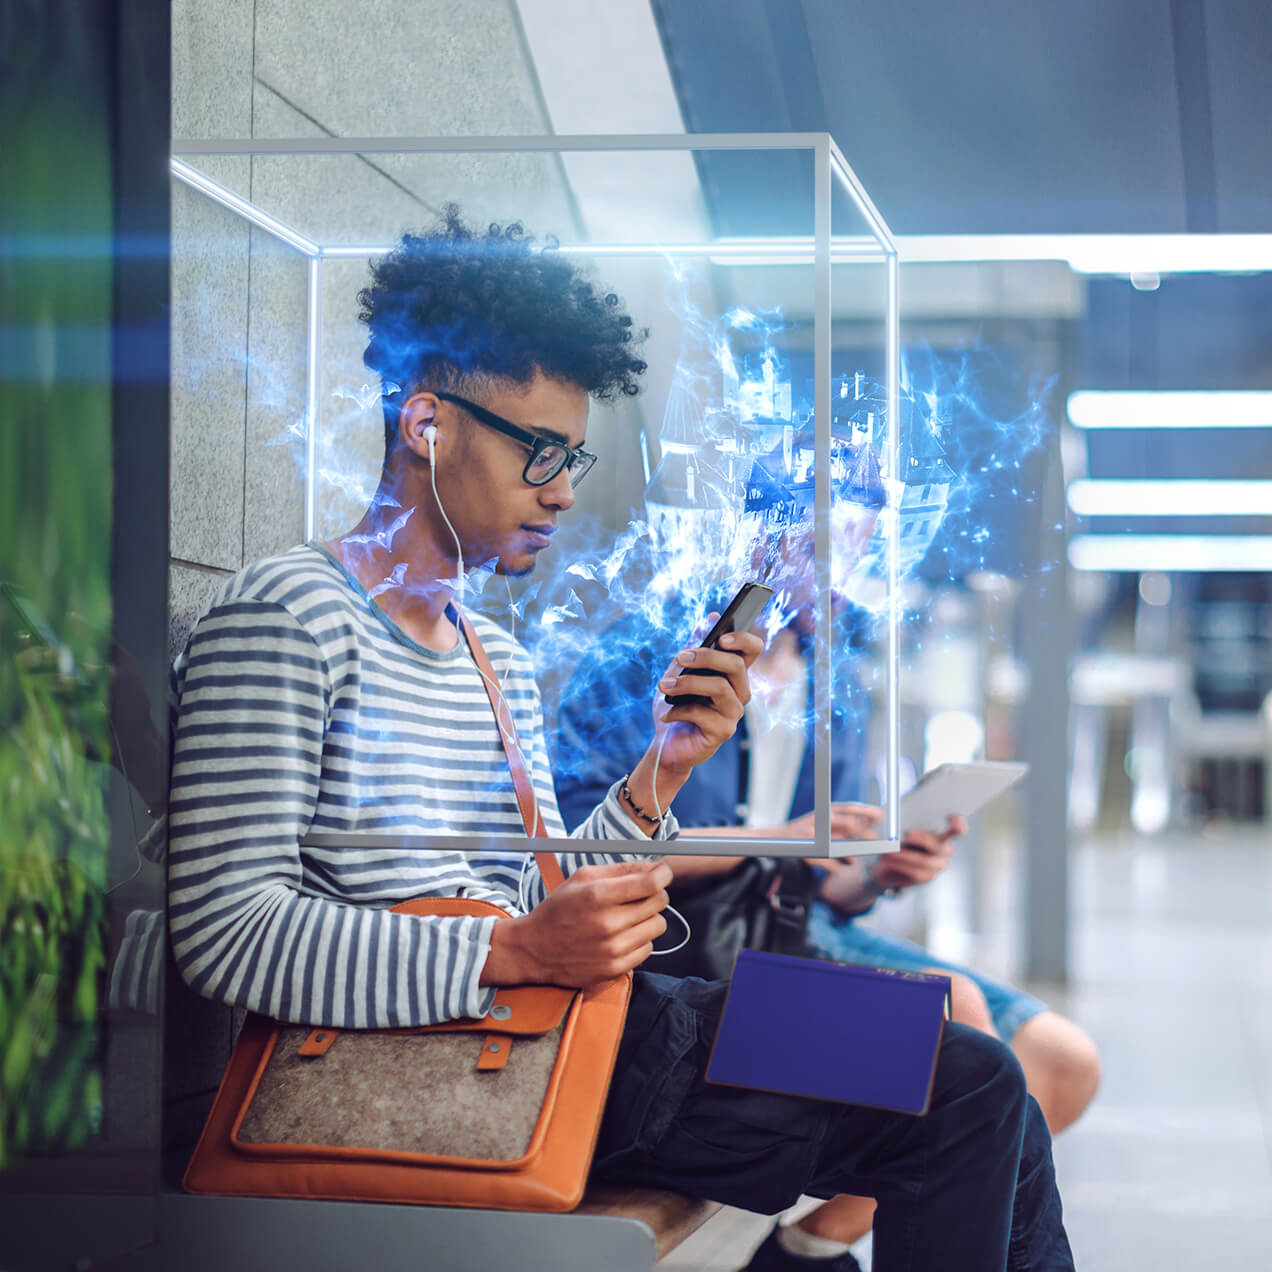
point(625, 793)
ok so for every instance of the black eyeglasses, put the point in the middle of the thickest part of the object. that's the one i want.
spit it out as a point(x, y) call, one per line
point(547, 457)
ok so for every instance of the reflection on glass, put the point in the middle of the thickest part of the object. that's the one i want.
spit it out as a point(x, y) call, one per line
point(54, 742)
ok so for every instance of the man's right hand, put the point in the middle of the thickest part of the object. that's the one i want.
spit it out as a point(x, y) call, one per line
point(601, 922)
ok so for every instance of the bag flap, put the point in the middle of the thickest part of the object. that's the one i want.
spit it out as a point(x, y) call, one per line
point(522, 1010)
point(517, 1009)
point(550, 1177)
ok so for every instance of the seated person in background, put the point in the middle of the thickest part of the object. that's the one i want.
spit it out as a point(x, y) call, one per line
point(331, 688)
point(759, 784)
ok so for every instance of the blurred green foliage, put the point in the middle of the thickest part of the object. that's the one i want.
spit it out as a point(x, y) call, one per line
point(56, 278)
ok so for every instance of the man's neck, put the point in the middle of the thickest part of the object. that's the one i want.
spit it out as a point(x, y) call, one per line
point(395, 554)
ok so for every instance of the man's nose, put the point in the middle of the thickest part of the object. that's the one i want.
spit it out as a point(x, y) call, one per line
point(559, 492)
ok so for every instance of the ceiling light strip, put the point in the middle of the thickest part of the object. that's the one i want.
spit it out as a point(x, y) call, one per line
point(1180, 497)
point(1171, 553)
point(1118, 254)
point(1163, 408)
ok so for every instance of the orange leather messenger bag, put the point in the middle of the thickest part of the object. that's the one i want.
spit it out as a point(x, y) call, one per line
point(500, 1112)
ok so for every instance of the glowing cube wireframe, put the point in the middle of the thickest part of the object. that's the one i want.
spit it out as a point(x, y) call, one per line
point(636, 206)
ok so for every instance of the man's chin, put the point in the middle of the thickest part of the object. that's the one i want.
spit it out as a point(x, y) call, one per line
point(516, 567)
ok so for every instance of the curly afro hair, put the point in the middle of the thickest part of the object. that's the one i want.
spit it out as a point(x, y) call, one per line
point(455, 310)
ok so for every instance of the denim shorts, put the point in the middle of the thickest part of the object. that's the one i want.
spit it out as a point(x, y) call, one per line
point(834, 937)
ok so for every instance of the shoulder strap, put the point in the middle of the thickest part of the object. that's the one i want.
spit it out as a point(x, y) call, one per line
point(549, 867)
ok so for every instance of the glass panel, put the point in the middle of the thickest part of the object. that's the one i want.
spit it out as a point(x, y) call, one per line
point(55, 733)
point(82, 731)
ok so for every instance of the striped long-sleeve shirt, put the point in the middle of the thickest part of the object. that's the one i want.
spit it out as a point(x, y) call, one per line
point(302, 708)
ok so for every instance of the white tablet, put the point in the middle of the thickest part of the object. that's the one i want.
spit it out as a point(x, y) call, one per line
point(951, 789)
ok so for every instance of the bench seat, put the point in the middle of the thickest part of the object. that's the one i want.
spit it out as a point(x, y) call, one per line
point(671, 1217)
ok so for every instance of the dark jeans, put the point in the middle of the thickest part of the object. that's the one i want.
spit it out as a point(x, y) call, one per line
point(969, 1186)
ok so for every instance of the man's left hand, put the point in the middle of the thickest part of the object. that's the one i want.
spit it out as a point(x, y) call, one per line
point(692, 733)
point(687, 734)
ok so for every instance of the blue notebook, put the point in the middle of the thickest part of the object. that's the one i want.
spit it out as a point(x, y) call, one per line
point(833, 1031)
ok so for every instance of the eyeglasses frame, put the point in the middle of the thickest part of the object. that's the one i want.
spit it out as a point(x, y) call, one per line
point(537, 444)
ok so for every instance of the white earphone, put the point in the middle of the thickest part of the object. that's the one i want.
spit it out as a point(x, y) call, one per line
point(430, 434)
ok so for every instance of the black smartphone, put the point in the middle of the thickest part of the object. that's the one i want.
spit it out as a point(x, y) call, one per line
point(738, 615)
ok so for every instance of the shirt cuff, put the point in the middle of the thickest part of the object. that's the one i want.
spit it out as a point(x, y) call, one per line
point(478, 999)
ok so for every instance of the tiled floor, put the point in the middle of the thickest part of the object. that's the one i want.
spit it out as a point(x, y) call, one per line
point(1171, 1168)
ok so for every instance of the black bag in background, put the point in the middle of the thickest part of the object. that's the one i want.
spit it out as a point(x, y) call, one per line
point(761, 904)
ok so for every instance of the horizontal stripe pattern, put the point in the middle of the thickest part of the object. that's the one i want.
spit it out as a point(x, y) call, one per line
point(300, 707)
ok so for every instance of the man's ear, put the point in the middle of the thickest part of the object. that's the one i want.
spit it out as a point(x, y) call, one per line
point(418, 419)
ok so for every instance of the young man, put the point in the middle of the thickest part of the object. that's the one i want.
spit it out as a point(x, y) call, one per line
point(330, 689)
